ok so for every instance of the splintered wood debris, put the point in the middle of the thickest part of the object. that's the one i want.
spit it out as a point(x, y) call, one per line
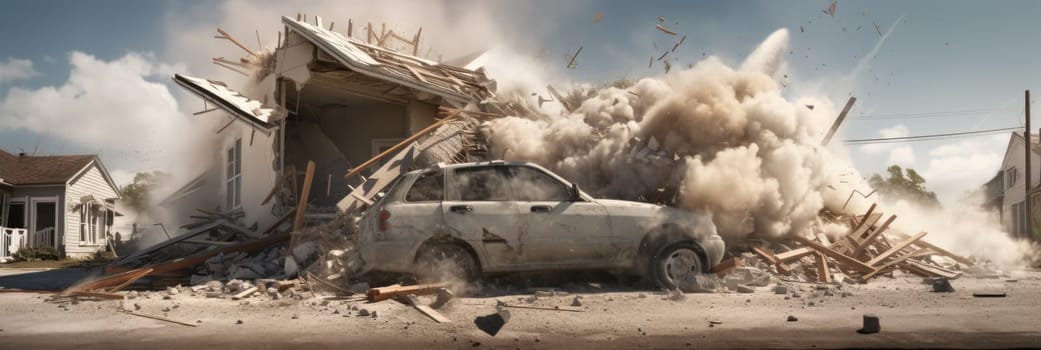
point(664, 30)
point(867, 250)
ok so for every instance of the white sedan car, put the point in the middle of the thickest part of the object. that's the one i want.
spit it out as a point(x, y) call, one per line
point(473, 219)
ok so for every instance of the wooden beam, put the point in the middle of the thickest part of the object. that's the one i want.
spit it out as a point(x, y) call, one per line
point(823, 272)
point(384, 293)
point(793, 254)
point(896, 248)
point(890, 264)
point(769, 257)
point(160, 318)
point(946, 253)
point(847, 261)
point(301, 208)
point(726, 265)
point(225, 35)
point(838, 121)
point(872, 237)
point(854, 237)
point(358, 169)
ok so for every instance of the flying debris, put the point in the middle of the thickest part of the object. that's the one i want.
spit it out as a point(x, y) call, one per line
point(877, 29)
point(678, 43)
point(661, 19)
point(668, 66)
point(651, 63)
point(801, 30)
point(663, 55)
point(664, 30)
point(598, 16)
point(571, 64)
point(810, 107)
point(831, 8)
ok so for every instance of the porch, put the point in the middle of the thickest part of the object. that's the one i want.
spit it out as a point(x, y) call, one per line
point(13, 239)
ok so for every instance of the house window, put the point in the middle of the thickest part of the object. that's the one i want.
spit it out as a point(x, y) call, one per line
point(1019, 219)
point(89, 223)
point(233, 180)
point(1010, 177)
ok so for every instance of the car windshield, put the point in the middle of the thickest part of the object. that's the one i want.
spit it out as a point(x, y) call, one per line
point(429, 187)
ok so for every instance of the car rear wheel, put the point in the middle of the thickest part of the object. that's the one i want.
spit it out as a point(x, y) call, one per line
point(677, 262)
point(446, 263)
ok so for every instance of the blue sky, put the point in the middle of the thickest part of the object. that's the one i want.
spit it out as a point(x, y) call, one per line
point(941, 56)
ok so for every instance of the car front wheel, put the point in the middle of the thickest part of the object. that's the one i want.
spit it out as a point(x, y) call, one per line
point(680, 261)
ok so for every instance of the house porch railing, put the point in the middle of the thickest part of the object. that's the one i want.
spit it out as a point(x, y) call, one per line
point(11, 240)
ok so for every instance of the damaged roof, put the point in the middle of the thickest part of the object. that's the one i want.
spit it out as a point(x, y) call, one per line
point(455, 84)
point(249, 110)
point(41, 170)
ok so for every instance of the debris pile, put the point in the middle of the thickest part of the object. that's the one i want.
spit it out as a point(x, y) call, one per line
point(868, 249)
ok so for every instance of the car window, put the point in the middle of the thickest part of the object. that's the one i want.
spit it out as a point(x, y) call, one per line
point(482, 184)
point(429, 187)
point(530, 184)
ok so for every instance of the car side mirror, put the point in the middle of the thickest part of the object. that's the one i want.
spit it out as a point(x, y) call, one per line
point(575, 194)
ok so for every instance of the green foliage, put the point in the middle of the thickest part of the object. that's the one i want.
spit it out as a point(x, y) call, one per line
point(907, 185)
point(36, 254)
point(137, 195)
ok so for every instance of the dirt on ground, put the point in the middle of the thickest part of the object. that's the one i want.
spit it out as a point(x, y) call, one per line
point(611, 317)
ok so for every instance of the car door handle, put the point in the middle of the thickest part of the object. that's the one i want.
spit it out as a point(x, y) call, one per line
point(462, 209)
point(541, 209)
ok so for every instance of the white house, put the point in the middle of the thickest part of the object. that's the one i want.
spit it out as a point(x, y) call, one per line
point(65, 202)
point(1011, 180)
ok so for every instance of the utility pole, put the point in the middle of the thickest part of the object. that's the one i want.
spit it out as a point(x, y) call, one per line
point(1029, 206)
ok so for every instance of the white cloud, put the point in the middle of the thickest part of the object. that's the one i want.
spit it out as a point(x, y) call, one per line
point(16, 69)
point(902, 156)
point(899, 153)
point(116, 108)
point(957, 168)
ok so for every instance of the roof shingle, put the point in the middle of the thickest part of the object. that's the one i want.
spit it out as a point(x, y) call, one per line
point(44, 170)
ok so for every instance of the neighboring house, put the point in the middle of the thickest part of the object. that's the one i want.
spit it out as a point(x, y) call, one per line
point(322, 97)
point(65, 202)
point(1012, 184)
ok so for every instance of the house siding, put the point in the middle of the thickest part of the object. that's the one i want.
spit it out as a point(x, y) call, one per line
point(258, 172)
point(1014, 191)
point(89, 182)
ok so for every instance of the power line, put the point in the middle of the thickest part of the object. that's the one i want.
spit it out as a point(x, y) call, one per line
point(928, 137)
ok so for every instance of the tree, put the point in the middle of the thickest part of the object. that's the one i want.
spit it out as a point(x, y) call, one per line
point(138, 195)
point(904, 185)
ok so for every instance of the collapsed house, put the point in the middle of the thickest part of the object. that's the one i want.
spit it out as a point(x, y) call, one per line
point(328, 98)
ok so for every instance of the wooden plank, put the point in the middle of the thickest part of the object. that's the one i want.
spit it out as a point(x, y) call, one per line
point(726, 265)
point(864, 226)
point(555, 308)
point(946, 253)
point(280, 221)
point(160, 318)
point(872, 237)
point(244, 293)
point(823, 272)
point(769, 257)
point(823, 238)
point(426, 310)
point(119, 279)
point(274, 189)
point(401, 145)
point(794, 254)
point(846, 261)
point(838, 121)
point(208, 242)
point(898, 247)
point(384, 293)
point(301, 209)
point(888, 265)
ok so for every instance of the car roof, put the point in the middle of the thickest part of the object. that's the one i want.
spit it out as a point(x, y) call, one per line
point(470, 164)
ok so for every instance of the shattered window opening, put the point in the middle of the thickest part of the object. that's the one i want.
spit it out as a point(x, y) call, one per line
point(234, 175)
point(429, 187)
point(533, 185)
point(482, 184)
